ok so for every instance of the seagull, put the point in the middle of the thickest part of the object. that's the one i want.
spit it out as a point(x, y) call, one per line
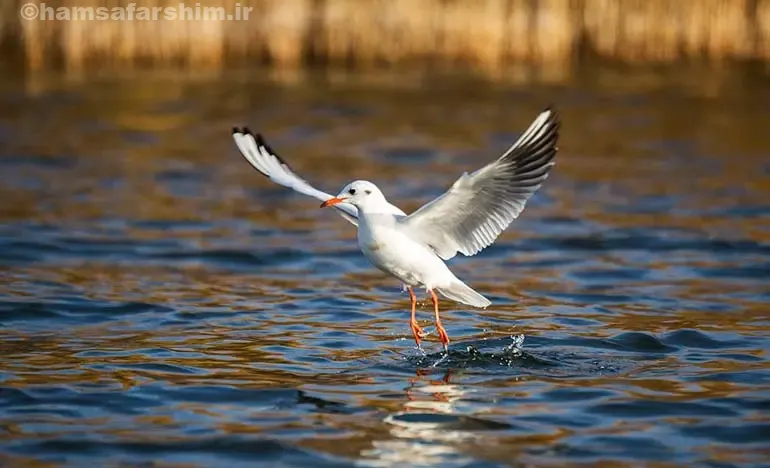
point(465, 219)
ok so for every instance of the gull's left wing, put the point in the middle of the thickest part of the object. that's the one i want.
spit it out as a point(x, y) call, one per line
point(266, 161)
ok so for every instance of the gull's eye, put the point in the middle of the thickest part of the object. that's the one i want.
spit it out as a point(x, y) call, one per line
point(352, 191)
point(368, 192)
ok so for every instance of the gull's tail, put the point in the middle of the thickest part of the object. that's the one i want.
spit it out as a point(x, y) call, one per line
point(460, 292)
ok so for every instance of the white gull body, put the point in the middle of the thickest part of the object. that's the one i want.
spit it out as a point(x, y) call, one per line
point(388, 243)
point(466, 218)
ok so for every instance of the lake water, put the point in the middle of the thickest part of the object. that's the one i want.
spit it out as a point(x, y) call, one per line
point(163, 304)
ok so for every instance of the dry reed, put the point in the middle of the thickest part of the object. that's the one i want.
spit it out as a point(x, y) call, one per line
point(486, 34)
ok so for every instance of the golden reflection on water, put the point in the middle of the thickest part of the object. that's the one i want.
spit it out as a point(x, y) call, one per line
point(163, 234)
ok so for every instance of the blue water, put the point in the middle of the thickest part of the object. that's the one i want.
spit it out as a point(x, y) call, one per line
point(162, 304)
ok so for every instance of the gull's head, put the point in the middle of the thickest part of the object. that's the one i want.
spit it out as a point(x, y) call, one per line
point(360, 194)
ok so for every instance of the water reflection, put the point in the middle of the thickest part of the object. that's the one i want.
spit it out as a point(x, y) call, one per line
point(427, 431)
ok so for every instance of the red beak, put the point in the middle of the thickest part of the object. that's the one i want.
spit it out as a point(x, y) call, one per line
point(332, 201)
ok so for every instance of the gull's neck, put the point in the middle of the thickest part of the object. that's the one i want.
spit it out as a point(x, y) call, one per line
point(375, 208)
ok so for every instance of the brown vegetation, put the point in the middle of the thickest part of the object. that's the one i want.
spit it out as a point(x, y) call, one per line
point(485, 34)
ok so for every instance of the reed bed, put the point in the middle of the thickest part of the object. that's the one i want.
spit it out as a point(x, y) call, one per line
point(488, 35)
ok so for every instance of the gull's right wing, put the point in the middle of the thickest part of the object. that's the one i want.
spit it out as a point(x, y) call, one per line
point(266, 161)
point(479, 206)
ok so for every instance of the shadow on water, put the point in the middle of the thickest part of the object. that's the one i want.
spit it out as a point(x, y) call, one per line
point(162, 303)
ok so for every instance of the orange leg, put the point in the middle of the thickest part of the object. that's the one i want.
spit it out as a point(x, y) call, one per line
point(441, 332)
point(416, 330)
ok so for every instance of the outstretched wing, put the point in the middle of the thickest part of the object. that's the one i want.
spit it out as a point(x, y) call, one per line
point(478, 207)
point(265, 160)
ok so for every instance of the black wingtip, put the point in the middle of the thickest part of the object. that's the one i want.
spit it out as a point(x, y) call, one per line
point(553, 110)
point(242, 131)
point(260, 141)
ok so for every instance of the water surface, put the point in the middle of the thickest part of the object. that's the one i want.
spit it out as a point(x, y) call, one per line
point(162, 302)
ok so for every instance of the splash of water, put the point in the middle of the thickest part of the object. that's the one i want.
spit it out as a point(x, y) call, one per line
point(517, 343)
point(509, 355)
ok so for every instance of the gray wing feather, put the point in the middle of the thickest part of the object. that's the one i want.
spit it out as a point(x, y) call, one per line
point(266, 161)
point(479, 206)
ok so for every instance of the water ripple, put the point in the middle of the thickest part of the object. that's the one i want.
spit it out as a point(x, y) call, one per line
point(162, 304)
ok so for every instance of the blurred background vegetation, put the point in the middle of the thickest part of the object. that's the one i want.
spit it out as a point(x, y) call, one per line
point(492, 37)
